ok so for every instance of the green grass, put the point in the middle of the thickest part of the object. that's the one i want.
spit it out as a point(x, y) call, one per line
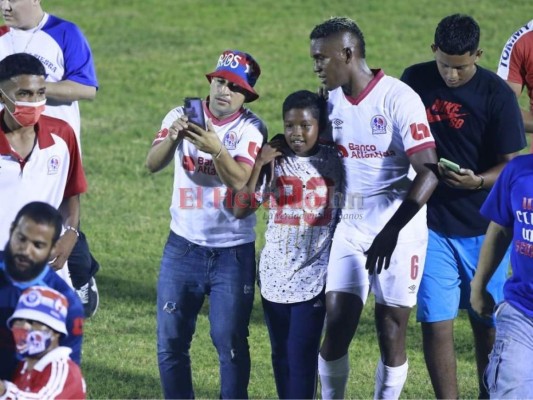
point(149, 56)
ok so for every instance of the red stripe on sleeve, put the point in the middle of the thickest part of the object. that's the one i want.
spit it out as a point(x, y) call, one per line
point(420, 147)
point(245, 160)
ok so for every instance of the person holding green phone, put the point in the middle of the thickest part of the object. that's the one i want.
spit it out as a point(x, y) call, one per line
point(476, 121)
point(450, 165)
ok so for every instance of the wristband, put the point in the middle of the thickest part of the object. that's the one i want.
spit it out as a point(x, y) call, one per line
point(219, 152)
point(480, 186)
point(71, 228)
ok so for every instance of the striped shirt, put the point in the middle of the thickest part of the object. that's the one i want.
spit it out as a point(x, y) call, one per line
point(54, 376)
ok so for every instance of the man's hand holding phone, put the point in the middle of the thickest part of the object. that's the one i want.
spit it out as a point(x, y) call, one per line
point(194, 111)
point(450, 165)
point(459, 178)
point(200, 134)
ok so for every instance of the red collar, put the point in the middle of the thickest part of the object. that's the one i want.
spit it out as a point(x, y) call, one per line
point(378, 74)
point(44, 137)
point(220, 122)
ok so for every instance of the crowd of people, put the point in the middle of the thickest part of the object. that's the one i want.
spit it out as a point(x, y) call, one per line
point(409, 189)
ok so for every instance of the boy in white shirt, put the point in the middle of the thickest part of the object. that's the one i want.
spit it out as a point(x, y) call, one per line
point(306, 177)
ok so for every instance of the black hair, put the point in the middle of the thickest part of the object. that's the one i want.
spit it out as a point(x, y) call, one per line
point(42, 213)
point(304, 99)
point(457, 34)
point(20, 64)
point(336, 25)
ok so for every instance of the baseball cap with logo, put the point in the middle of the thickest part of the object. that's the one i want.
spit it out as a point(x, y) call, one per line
point(239, 68)
point(44, 305)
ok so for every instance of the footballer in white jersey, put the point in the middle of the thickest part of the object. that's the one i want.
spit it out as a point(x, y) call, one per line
point(375, 134)
point(381, 129)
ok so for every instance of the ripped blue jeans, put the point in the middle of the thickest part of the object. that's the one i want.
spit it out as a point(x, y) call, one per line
point(188, 273)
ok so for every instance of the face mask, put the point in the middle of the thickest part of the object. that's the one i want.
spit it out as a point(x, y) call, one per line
point(26, 113)
point(30, 342)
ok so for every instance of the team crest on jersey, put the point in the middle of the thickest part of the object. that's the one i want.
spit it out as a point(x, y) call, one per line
point(378, 125)
point(53, 165)
point(230, 140)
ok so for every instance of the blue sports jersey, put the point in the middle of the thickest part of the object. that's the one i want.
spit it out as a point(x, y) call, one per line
point(510, 204)
point(472, 124)
point(9, 294)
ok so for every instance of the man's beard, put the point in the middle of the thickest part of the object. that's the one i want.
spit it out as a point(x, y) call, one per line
point(28, 273)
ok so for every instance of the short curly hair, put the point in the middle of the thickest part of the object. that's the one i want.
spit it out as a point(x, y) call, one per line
point(339, 25)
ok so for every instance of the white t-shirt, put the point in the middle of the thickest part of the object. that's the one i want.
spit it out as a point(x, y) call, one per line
point(65, 54)
point(302, 218)
point(375, 133)
point(198, 201)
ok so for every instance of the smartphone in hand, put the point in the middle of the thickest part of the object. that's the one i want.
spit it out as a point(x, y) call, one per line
point(194, 111)
point(450, 165)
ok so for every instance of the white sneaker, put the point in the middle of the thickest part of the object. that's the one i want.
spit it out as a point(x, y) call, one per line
point(89, 297)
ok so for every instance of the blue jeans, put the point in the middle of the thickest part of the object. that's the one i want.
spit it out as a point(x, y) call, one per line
point(188, 273)
point(295, 330)
point(509, 374)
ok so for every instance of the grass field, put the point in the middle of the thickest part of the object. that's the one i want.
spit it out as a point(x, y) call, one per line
point(149, 55)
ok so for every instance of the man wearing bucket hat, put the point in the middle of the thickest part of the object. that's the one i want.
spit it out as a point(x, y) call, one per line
point(209, 251)
point(47, 372)
point(33, 235)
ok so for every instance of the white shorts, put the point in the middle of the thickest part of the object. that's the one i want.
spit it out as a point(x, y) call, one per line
point(397, 286)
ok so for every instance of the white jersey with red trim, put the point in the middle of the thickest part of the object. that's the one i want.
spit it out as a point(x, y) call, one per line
point(301, 222)
point(51, 172)
point(516, 62)
point(65, 54)
point(376, 133)
point(198, 201)
point(54, 376)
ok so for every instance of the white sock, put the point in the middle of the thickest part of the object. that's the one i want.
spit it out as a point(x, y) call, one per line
point(333, 377)
point(390, 381)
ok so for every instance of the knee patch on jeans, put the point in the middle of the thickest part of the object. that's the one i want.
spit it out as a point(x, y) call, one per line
point(170, 307)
